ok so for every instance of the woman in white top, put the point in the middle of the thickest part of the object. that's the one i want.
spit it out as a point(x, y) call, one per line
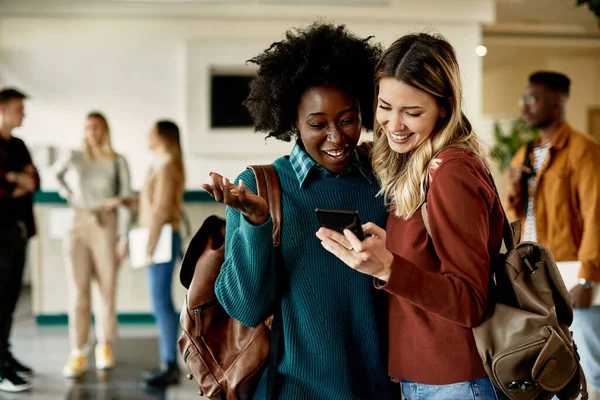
point(93, 249)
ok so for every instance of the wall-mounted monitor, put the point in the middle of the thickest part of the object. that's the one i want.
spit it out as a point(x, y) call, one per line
point(227, 94)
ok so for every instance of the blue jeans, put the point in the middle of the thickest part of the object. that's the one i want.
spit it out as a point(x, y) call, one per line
point(480, 389)
point(160, 279)
point(586, 333)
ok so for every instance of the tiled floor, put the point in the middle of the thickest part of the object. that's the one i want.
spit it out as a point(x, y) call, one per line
point(46, 350)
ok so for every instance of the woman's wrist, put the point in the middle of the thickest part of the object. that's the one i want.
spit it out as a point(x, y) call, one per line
point(387, 267)
point(384, 277)
point(257, 220)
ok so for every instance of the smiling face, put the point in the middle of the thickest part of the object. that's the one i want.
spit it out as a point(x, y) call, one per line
point(407, 115)
point(329, 123)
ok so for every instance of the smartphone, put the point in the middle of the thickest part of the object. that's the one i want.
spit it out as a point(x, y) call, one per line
point(338, 220)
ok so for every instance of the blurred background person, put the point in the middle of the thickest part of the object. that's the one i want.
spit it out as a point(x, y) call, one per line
point(160, 203)
point(96, 243)
point(557, 196)
point(18, 180)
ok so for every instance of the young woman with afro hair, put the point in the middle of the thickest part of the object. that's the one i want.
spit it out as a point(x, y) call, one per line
point(314, 87)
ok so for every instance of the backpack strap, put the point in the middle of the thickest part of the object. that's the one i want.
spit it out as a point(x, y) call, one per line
point(525, 177)
point(268, 188)
point(267, 183)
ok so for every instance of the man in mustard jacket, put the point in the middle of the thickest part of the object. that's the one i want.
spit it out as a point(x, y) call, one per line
point(554, 188)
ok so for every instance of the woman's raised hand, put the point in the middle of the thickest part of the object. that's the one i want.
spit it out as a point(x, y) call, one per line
point(254, 207)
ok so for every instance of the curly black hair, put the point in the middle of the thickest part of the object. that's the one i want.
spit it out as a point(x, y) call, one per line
point(318, 55)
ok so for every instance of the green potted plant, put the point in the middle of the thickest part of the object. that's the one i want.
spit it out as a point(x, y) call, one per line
point(593, 5)
point(508, 143)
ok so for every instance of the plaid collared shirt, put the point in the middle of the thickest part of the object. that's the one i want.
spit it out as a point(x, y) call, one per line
point(305, 167)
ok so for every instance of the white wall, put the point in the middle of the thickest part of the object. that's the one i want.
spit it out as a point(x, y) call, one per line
point(506, 73)
point(139, 64)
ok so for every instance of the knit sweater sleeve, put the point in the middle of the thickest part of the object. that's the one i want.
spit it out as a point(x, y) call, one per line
point(458, 204)
point(246, 284)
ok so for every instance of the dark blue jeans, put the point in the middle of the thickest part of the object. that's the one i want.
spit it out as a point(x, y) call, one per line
point(160, 277)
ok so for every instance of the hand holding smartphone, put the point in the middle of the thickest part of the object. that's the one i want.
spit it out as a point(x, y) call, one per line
point(338, 220)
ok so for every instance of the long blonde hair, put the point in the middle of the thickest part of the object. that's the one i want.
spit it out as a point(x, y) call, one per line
point(428, 63)
point(106, 145)
point(168, 132)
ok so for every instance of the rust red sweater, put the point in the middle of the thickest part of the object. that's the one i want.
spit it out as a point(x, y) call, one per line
point(438, 286)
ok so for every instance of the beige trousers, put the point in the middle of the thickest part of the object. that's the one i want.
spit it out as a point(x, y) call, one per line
point(90, 256)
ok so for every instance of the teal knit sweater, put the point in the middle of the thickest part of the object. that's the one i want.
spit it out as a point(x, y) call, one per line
point(334, 321)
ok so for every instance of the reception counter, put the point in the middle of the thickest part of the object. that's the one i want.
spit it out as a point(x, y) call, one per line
point(47, 272)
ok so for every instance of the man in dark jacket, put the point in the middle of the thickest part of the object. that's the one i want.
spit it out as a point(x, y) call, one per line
point(18, 180)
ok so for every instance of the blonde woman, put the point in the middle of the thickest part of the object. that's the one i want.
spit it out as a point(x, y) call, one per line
point(93, 247)
point(160, 203)
point(425, 151)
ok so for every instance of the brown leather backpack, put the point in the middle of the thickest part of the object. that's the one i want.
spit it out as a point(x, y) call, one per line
point(225, 357)
point(524, 339)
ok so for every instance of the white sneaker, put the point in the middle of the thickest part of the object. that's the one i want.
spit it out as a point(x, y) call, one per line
point(11, 382)
point(77, 365)
point(105, 359)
